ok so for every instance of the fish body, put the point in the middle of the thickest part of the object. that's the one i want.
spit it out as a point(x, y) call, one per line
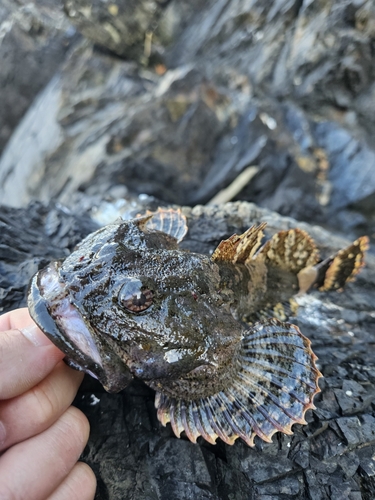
point(129, 303)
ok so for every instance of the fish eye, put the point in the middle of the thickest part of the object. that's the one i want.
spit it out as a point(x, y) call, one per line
point(134, 296)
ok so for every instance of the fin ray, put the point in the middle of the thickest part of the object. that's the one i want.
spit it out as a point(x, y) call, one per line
point(344, 266)
point(239, 248)
point(165, 220)
point(292, 250)
point(261, 400)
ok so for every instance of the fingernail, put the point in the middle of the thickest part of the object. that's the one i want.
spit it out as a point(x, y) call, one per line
point(3, 434)
point(35, 335)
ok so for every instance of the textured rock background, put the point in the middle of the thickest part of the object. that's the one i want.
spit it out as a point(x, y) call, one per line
point(202, 91)
point(35, 36)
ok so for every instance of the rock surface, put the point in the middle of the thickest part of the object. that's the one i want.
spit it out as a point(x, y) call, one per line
point(205, 90)
point(134, 457)
point(34, 38)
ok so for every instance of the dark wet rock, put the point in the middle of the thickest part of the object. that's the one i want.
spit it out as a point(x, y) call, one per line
point(349, 464)
point(29, 239)
point(358, 429)
point(133, 456)
point(290, 486)
point(151, 141)
point(34, 39)
point(300, 452)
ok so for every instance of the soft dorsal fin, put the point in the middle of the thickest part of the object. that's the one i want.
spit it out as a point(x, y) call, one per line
point(240, 248)
point(292, 250)
point(166, 220)
point(343, 266)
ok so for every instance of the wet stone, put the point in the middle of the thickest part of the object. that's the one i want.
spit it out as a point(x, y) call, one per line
point(231, 483)
point(339, 488)
point(192, 466)
point(290, 486)
point(348, 403)
point(184, 491)
point(326, 445)
point(368, 467)
point(265, 470)
point(349, 463)
point(361, 377)
point(328, 406)
point(358, 429)
point(316, 490)
point(300, 453)
point(354, 387)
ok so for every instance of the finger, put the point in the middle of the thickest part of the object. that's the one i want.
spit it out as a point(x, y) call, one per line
point(80, 484)
point(22, 364)
point(14, 320)
point(37, 409)
point(34, 468)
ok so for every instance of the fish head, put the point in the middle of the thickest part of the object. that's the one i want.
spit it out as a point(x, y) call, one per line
point(128, 303)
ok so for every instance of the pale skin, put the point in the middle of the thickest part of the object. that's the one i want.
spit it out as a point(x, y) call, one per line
point(41, 434)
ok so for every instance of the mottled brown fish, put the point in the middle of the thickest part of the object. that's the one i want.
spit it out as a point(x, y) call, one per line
point(129, 303)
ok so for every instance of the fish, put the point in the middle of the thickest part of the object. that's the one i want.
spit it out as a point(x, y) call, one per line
point(207, 333)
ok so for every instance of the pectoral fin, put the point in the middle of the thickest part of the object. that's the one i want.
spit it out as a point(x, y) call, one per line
point(275, 384)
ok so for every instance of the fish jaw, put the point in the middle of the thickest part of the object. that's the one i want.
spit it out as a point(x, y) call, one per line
point(55, 314)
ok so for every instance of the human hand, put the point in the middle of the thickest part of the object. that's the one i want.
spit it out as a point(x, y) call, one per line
point(41, 435)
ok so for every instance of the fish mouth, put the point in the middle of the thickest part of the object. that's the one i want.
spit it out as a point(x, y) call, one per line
point(53, 303)
point(53, 310)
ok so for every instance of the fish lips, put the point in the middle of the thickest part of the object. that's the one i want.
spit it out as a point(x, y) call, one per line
point(71, 335)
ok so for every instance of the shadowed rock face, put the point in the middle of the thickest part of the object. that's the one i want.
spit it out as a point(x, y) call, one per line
point(203, 91)
point(34, 39)
point(133, 456)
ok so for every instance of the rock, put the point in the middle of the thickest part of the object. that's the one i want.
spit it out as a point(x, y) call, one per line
point(34, 39)
point(125, 27)
point(285, 87)
point(48, 233)
point(358, 430)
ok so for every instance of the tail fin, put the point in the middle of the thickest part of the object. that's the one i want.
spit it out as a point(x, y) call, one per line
point(334, 272)
point(337, 270)
point(295, 251)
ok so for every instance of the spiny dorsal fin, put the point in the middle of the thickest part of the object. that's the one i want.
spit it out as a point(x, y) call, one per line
point(240, 248)
point(344, 266)
point(292, 250)
point(166, 220)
